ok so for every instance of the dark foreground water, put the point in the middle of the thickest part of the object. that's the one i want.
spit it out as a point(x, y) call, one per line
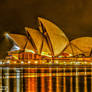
point(46, 79)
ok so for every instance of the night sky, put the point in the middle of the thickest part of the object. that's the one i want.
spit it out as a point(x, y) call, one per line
point(74, 17)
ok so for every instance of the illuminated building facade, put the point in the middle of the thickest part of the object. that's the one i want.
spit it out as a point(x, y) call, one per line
point(48, 43)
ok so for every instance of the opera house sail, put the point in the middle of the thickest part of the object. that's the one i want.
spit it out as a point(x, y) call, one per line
point(22, 41)
point(38, 41)
point(56, 38)
point(82, 45)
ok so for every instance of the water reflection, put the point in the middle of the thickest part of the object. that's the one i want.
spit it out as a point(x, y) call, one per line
point(71, 80)
point(46, 79)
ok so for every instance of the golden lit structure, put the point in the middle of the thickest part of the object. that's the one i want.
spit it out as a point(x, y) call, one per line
point(82, 45)
point(56, 38)
point(21, 41)
point(49, 43)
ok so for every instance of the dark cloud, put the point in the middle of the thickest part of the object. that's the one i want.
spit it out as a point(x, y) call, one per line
point(73, 16)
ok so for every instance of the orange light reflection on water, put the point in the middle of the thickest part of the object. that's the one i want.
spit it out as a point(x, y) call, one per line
point(45, 79)
point(42, 81)
point(58, 79)
point(50, 81)
point(32, 82)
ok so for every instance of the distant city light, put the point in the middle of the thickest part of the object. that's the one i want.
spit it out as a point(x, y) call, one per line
point(36, 62)
point(85, 62)
point(29, 62)
point(71, 62)
point(77, 62)
point(70, 55)
point(56, 62)
point(0, 61)
point(65, 63)
point(8, 61)
point(43, 62)
point(22, 62)
point(50, 62)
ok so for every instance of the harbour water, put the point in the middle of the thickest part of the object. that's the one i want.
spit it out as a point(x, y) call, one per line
point(63, 79)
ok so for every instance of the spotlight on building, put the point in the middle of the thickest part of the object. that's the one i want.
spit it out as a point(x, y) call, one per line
point(27, 50)
point(14, 48)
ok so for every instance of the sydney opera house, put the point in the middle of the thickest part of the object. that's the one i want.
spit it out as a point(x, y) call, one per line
point(49, 43)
